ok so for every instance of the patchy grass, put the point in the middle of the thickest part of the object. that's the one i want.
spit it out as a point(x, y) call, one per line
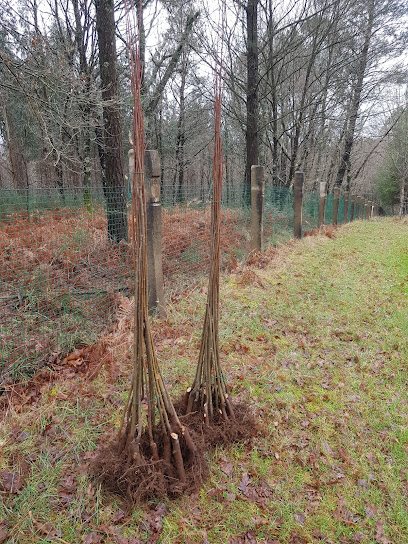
point(315, 340)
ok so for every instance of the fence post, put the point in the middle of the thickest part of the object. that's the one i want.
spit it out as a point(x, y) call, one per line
point(336, 205)
point(367, 207)
point(346, 206)
point(352, 207)
point(358, 207)
point(322, 203)
point(257, 206)
point(297, 203)
point(370, 210)
point(154, 232)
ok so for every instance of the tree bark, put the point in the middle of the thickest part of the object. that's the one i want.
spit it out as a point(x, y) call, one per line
point(86, 75)
point(252, 147)
point(181, 135)
point(17, 162)
point(114, 188)
point(402, 199)
point(356, 98)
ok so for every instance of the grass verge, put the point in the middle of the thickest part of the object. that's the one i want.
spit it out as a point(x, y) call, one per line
point(314, 337)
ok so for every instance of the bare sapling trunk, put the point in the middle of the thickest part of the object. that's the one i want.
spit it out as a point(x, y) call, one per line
point(209, 392)
point(153, 444)
point(147, 383)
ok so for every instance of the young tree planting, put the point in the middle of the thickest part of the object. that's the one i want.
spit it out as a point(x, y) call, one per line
point(208, 397)
point(154, 453)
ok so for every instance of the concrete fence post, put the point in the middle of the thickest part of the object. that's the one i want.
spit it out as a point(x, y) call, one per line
point(322, 202)
point(336, 205)
point(298, 203)
point(346, 206)
point(155, 290)
point(257, 206)
point(154, 234)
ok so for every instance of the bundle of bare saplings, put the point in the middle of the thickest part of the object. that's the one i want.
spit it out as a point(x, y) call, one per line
point(160, 451)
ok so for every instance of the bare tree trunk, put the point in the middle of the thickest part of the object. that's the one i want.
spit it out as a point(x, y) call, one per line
point(402, 199)
point(252, 147)
point(181, 136)
point(17, 161)
point(356, 98)
point(114, 188)
point(273, 100)
point(85, 149)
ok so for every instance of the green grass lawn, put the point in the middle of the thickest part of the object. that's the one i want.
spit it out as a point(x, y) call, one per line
point(316, 344)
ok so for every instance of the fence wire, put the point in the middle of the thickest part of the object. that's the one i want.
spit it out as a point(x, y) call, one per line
point(63, 272)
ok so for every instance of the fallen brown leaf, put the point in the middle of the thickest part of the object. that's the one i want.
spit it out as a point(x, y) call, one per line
point(4, 534)
point(93, 538)
point(10, 482)
point(226, 466)
point(379, 535)
point(370, 510)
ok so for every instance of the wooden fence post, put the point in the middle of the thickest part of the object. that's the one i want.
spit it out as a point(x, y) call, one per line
point(257, 207)
point(352, 207)
point(370, 209)
point(358, 207)
point(322, 203)
point(297, 203)
point(155, 288)
point(367, 207)
point(336, 205)
point(346, 206)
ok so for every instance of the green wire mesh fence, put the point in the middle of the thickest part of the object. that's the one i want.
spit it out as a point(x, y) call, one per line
point(65, 261)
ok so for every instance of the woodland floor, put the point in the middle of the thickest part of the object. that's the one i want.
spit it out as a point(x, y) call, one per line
point(313, 338)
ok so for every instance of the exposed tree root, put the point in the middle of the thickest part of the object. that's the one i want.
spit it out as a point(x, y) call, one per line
point(154, 454)
point(221, 431)
point(142, 478)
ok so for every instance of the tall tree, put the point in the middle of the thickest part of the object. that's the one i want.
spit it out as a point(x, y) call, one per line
point(17, 160)
point(114, 181)
point(251, 136)
point(355, 101)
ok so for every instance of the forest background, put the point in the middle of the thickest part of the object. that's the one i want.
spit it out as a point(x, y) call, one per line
point(313, 85)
